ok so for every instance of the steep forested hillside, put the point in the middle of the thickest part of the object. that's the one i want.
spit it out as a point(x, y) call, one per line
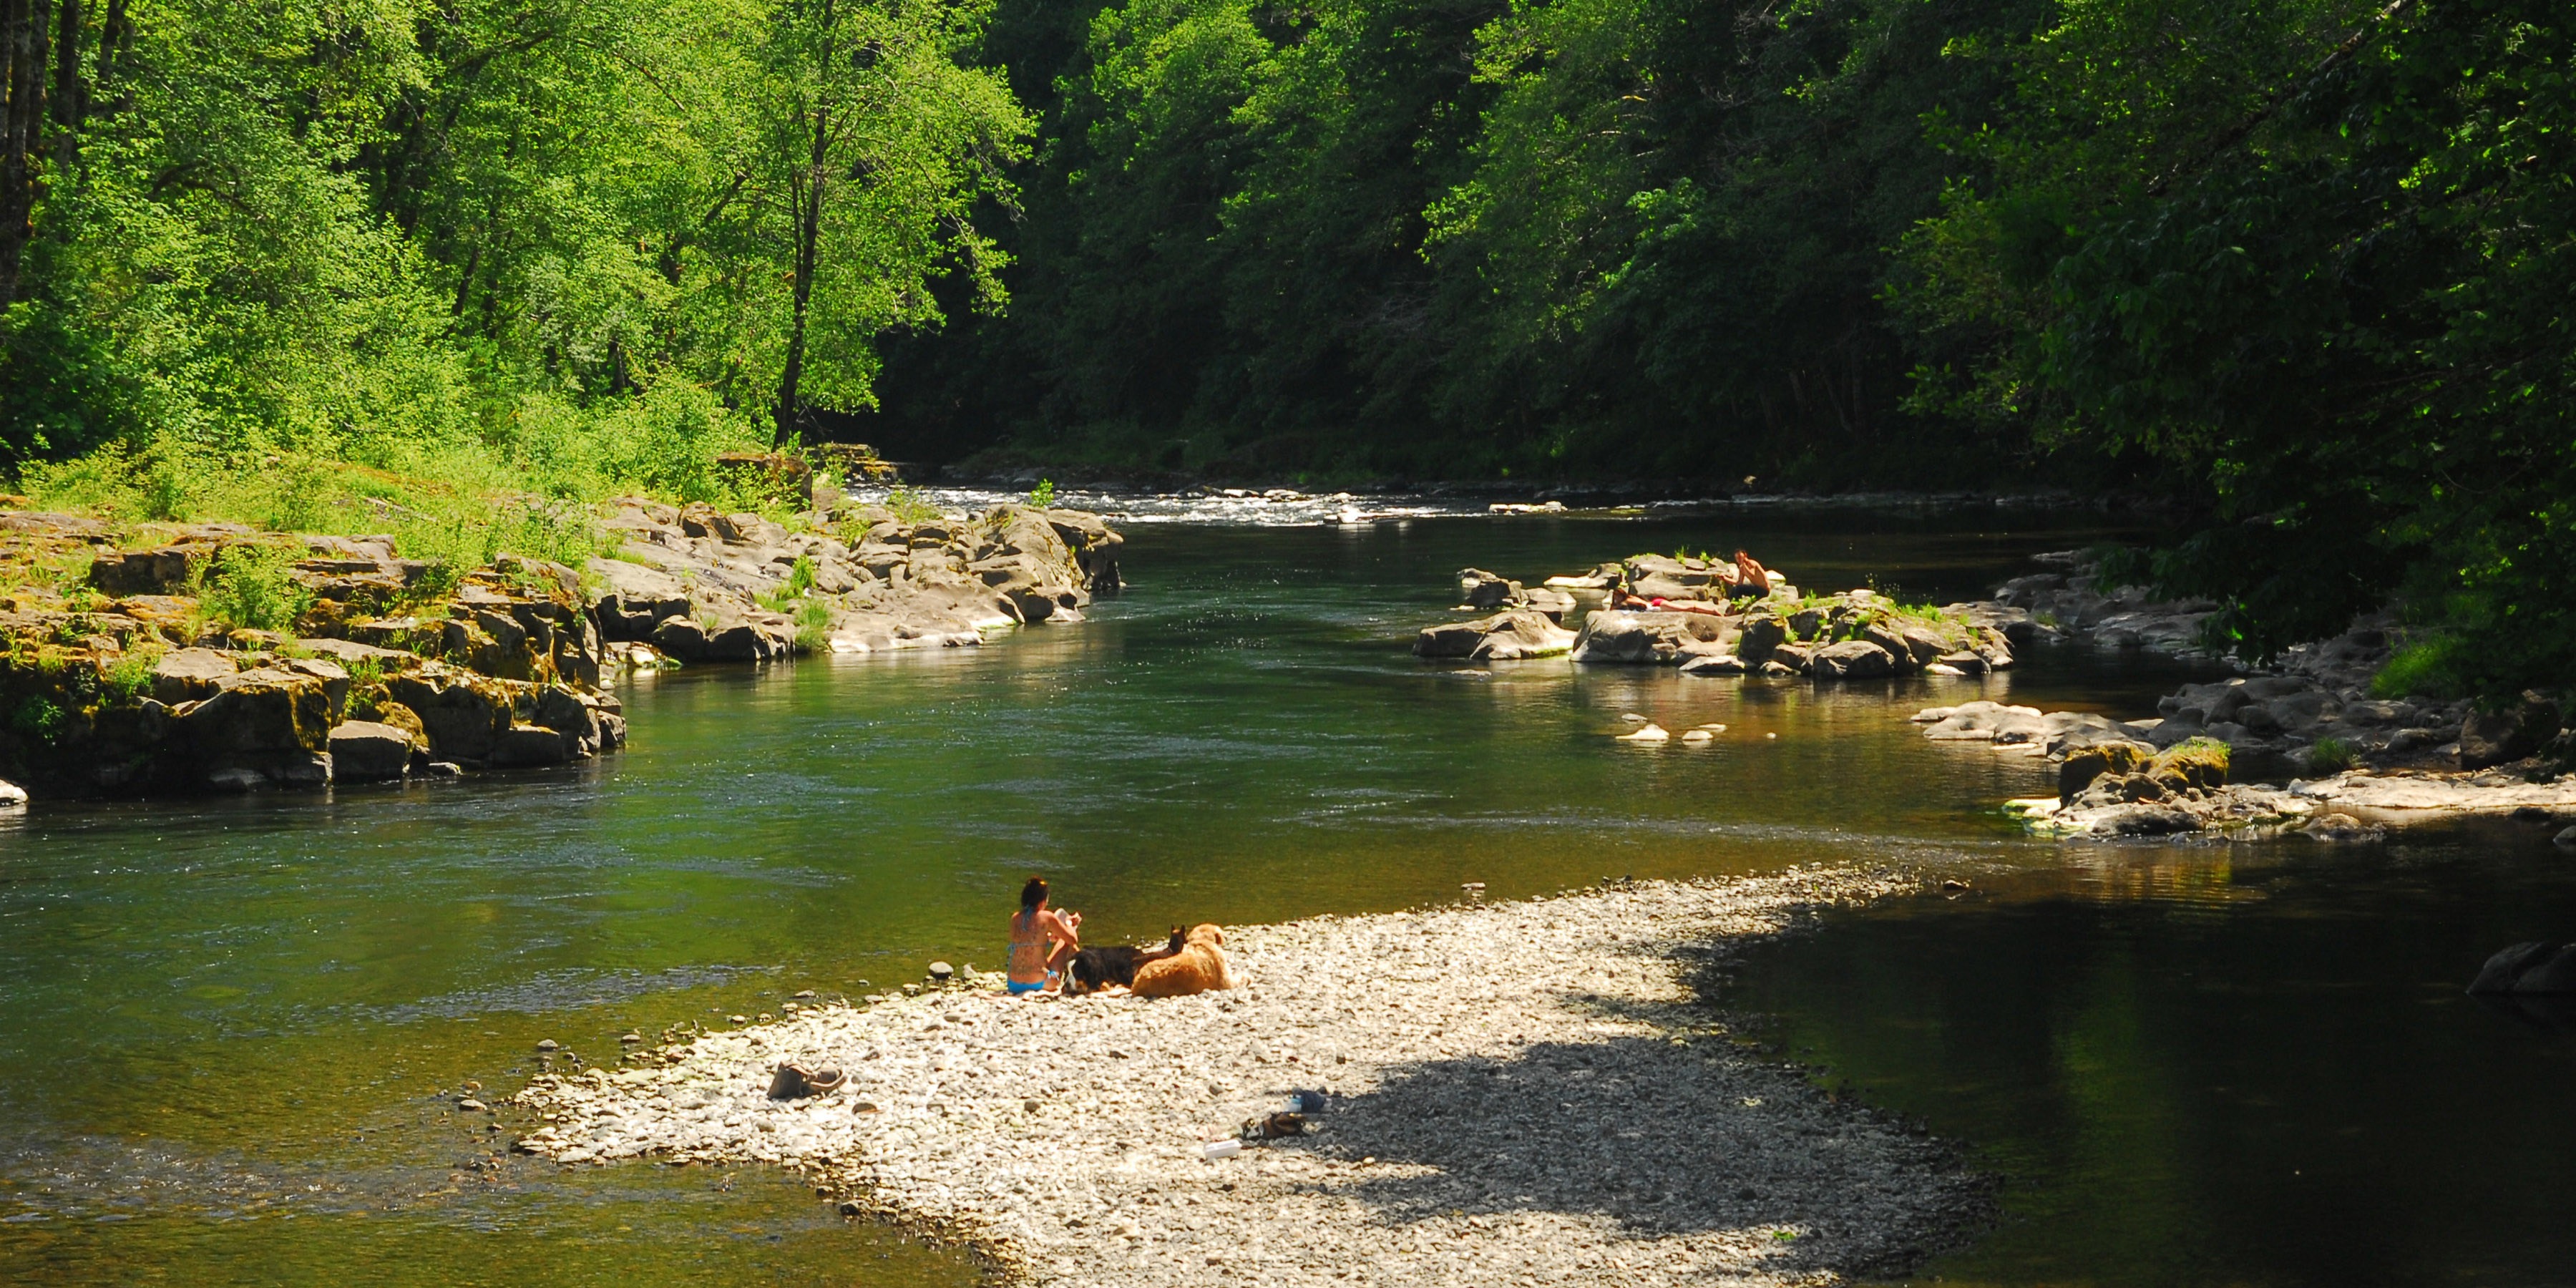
point(2305, 267)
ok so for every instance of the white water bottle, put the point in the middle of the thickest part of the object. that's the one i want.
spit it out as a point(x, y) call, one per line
point(1217, 1149)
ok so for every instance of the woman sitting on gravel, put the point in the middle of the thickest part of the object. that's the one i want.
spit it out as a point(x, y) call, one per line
point(1041, 941)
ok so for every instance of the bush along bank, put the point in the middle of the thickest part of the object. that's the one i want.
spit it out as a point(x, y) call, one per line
point(173, 658)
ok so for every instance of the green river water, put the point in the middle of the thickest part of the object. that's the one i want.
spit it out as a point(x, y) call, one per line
point(228, 1022)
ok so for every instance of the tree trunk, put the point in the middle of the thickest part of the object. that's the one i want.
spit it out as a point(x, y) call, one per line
point(22, 131)
point(70, 102)
point(809, 233)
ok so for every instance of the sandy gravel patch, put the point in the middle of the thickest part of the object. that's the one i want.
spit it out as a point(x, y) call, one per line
point(1519, 1093)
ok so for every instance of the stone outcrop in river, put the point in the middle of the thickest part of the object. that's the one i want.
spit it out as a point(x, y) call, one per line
point(126, 677)
point(1658, 610)
point(699, 585)
point(126, 671)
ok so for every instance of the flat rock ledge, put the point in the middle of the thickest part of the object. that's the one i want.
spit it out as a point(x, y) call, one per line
point(1521, 1093)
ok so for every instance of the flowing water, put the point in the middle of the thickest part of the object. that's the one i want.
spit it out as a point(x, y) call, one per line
point(229, 1023)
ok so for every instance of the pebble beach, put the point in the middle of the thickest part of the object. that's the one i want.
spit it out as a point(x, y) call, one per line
point(1515, 1093)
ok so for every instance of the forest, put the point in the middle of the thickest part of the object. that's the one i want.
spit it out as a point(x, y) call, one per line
point(2301, 269)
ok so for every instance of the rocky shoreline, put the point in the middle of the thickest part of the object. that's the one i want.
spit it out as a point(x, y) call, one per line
point(1521, 1093)
point(2307, 747)
point(176, 658)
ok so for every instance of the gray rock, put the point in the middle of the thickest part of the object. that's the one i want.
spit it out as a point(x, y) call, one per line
point(528, 745)
point(681, 637)
point(12, 796)
point(2489, 738)
point(2528, 968)
point(1714, 664)
point(1653, 639)
point(1480, 589)
point(1760, 636)
point(364, 751)
point(1853, 660)
point(191, 674)
point(462, 714)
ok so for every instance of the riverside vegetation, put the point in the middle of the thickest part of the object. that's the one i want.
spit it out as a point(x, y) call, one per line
point(2302, 269)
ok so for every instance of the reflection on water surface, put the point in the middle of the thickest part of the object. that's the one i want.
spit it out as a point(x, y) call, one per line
point(2213, 1066)
point(213, 1003)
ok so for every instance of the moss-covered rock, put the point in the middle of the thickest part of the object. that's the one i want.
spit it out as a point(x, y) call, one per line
point(2088, 763)
point(2195, 763)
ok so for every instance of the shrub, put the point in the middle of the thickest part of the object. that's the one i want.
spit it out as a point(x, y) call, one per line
point(2425, 668)
point(2332, 755)
point(38, 717)
point(910, 507)
point(814, 625)
point(253, 588)
point(1043, 495)
point(128, 678)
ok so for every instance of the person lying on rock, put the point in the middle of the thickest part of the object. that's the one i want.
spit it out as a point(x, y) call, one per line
point(1041, 941)
point(1687, 606)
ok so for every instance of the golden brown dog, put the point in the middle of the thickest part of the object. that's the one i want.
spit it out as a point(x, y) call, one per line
point(1197, 968)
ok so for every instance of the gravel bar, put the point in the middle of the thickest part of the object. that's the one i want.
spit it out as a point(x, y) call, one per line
point(1517, 1093)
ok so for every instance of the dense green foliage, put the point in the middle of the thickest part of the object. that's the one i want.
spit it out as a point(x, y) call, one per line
point(2319, 260)
point(1456, 237)
point(2306, 265)
point(474, 243)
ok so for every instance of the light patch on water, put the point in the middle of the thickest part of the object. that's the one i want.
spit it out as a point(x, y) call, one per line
point(551, 992)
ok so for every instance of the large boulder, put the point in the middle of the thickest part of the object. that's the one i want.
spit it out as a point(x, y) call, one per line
point(1983, 721)
point(682, 638)
point(365, 751)
point(171, 570)
point(1852, 660)
point(573, 716)
point(191, 674)
point(744, 642)
point(2197, 763)
point(1503, 637)
point(1892, 642)
point(1094, 544)
point(2086, 764)
point(463, 714)
point(2490, 738)
point(1761, 635)
point(523, 745)
point(264, 726)
point(1478, 588)
point(2529, 968)
point(1655, 639)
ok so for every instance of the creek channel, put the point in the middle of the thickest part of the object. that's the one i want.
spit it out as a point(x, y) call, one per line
point(235, 1029)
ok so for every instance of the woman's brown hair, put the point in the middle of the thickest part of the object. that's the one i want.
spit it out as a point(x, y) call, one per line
point(1033, 894)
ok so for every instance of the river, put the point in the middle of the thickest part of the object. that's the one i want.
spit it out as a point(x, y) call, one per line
point(235, 1027)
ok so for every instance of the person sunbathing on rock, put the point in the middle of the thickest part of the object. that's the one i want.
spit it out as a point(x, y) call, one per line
point(1041, 941)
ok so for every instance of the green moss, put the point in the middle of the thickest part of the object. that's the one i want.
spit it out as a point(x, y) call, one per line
point(2196, 762)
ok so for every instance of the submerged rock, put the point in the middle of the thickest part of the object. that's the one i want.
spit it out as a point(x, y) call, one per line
point(2528, 969)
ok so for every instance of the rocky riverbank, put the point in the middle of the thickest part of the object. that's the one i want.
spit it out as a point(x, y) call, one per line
point(168, 657)
point(1521, 1093)
point(2308, 746)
